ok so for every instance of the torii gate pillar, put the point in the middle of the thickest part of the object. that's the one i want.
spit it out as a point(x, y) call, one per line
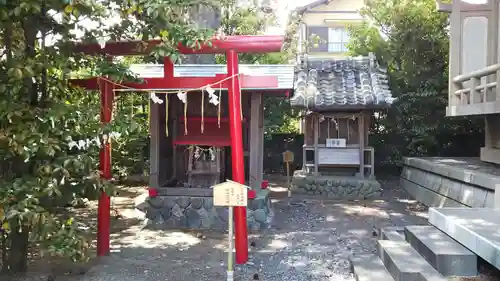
point(234, 103)
point(103, 215)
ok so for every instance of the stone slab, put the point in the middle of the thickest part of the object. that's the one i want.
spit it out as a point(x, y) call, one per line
point(427, 196)
point(394, 233)
point(404, 263)
point(469, 170)
point(465, 193)
point(335, 187)
point(478, 229)
point(446, 255)
point(369, 268)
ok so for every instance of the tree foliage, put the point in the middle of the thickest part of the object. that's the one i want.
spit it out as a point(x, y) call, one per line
point(278, 115)
point(49, 131)
point(410, 38)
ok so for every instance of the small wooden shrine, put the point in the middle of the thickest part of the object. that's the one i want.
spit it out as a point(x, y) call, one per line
point(190, 134)
point(339, 98)
point(191, 147)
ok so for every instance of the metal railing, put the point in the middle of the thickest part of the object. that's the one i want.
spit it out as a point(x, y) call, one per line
point(477, 92)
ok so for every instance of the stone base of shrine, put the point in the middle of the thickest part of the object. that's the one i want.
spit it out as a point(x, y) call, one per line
point(192, 208)
point(452, 182)
point(335, 187)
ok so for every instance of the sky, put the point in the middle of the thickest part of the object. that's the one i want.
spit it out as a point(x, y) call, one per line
point(283, 9)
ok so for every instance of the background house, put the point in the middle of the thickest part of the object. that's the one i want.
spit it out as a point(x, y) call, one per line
point(329, 20)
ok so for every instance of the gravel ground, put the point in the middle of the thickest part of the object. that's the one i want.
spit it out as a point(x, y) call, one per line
point(310, 240)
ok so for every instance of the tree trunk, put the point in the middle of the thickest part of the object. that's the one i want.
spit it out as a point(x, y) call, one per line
point(17, 256)
point(204, 18)
point(3, 247)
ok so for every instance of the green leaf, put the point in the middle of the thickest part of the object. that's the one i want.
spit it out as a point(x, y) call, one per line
point(15, 73)
point(68, 9)
point(17, 11)
point(29, 71)
point(164, 33)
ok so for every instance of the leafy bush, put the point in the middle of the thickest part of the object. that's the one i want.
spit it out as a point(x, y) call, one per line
point(410, 38)
point(50, 131)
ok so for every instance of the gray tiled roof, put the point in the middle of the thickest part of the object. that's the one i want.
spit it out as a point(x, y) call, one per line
point(337, 84)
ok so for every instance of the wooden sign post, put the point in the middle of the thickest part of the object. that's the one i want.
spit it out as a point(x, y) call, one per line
point(230, 194)
point(288, 159)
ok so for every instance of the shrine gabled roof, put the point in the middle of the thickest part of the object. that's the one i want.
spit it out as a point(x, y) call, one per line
point(284, 73)
point(327, 84)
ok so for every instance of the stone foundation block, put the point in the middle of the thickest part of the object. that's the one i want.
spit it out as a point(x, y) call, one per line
point(198, 212)
point(335, 187)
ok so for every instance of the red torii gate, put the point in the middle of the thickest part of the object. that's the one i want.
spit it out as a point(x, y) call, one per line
point(231, 46)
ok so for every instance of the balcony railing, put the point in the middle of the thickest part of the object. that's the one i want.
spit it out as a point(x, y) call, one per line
point(476, 92)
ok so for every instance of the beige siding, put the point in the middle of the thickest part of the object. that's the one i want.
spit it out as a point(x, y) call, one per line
point(316, 19)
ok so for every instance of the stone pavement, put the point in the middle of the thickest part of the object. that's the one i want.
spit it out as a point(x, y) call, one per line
point(476, 228)
point(309, 240)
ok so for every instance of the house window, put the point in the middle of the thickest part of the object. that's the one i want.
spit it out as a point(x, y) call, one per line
point(337, 40)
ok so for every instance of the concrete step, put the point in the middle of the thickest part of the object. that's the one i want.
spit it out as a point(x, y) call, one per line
point(478, 229)
point(394, 233)
point(369, 268)
point(404, 263)
point(446, 255)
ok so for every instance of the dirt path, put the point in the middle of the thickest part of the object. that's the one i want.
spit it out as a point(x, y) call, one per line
point(310, 240)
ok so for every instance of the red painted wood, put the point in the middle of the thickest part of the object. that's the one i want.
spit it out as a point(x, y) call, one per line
point(104, 205)
point(238, 168)
point(240, 44)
